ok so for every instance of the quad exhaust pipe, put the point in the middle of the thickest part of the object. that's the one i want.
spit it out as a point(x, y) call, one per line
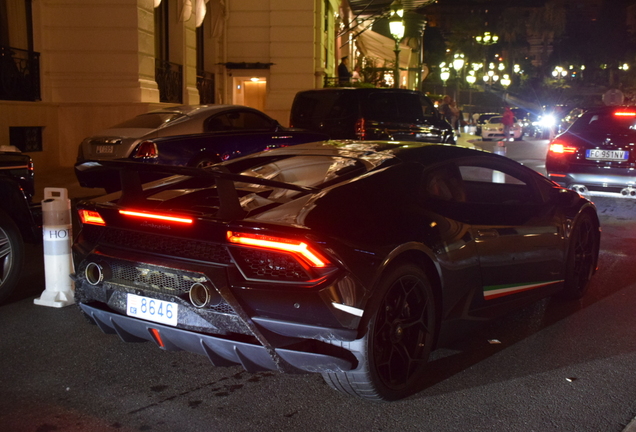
point(628, 192)
point(202, 295)
point(96, 273)
point(582, 189)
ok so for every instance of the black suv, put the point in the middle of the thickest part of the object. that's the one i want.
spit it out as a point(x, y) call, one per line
point(20, 219)
point(370, 114)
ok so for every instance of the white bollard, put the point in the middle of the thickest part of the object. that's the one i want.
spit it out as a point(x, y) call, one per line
point(500, 148)
point(498, 176)
point(57, 233)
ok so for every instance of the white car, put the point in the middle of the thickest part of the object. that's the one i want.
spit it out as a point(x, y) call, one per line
point(493, 129)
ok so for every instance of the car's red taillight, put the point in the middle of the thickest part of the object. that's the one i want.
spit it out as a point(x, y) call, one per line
point(559, 147)
point(146, 149)
point(298, 248)
point(91, 217)
point(156, 216)
point(624, 113)
point(276, 259)
point(360, 129)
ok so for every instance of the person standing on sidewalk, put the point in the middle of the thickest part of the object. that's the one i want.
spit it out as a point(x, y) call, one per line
point(344, 76)
point(508, 120)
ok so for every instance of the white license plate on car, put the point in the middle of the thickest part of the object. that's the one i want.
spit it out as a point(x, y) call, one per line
point(103, 149)
point(152, 309)
point(609, 155)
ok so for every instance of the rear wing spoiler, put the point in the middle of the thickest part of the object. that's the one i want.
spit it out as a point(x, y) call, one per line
point(132, 191)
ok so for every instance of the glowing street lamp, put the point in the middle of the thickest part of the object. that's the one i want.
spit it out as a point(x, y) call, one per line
point(444, 75)
point(505, 81)
point(396, 26)
point(458, 61)
point(559, 72)
point(487, 39)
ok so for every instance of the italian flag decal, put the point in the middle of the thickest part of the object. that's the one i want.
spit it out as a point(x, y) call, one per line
point(496, 291)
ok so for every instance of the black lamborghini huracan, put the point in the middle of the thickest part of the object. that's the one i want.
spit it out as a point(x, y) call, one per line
point(350, 259)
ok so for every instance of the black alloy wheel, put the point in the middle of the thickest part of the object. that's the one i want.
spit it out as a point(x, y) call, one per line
point(581, 259)
point(11, 255)
point(398, 342)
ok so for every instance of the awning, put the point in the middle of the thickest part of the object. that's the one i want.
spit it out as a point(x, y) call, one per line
point(374, 45)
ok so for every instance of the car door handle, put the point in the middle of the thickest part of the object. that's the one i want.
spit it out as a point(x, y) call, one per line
point(487, 233)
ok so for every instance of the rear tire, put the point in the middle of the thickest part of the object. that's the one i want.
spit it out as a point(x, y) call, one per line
point(394, 351)
point(581, 259)
point(11, 255)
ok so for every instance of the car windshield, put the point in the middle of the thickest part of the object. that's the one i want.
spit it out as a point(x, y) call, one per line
point(495, 120)
point(148, 121)
point(618, 121)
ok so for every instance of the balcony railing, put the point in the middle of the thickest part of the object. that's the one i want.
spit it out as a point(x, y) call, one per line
point(205, 84)
point(19, 74)
point(169, 77)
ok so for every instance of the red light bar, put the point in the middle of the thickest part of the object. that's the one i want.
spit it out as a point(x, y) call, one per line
point(91, 217)
point(157, 216)
point(625, 113)
point(296, 247)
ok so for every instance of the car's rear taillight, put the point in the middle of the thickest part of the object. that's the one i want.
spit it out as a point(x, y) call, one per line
point(360, 129)
point(91, 217)
point(156, 216)
point(147, 149)
point(276, 259)
point(625, 113)
point(560, 147)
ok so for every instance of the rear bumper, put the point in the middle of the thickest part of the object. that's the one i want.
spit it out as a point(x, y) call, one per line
point(495, 135)
point(594, 181)
point(219, 350)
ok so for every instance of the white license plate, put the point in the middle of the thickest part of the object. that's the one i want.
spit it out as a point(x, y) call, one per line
point(610, 155)
point(102, 149)
point(152, 309)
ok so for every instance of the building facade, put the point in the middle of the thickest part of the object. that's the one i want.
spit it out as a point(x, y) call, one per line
point(73, 67)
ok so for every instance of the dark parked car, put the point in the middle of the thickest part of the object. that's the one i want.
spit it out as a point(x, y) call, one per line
point(197, 150)
point(370, 114)
point(596, 152)
point(350, 259)
point(20, 218)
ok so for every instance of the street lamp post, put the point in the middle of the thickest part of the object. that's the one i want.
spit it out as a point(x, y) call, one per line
point(487, 39)
point(444, 74)
point(471, 79)
point(458, 65)
point(396, 26)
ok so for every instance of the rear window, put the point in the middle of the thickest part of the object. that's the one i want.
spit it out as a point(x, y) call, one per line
point(148, 121)
point(395, 107)
point(323, 105)
point(620, 121)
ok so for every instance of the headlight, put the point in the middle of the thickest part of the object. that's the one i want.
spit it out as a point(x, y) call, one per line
point(547, 120)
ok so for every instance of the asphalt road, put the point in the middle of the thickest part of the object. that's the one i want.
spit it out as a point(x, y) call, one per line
point(554, 366)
